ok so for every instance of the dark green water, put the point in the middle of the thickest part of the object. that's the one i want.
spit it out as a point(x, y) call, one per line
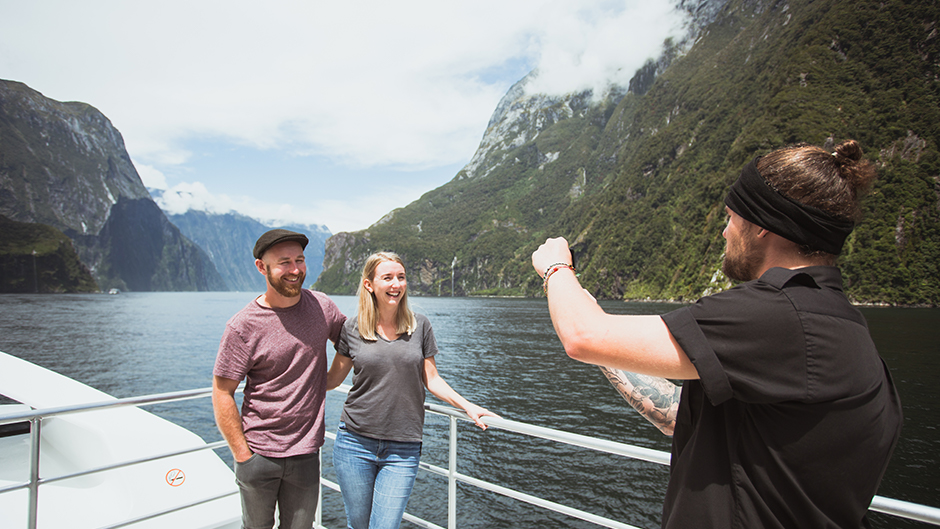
point(499, 353)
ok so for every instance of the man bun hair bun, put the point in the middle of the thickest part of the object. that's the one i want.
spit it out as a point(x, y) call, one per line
point(857, 172)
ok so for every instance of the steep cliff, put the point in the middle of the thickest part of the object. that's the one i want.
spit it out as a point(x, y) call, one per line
point(64, 165)
point(636, 182)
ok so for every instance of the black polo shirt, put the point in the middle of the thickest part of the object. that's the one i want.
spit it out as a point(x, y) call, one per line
point(795, 415)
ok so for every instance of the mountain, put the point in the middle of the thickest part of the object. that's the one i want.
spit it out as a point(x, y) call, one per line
point(635, 178)
point(536, 157)
point(39, 258)
point(229, 238)
point(64, 165)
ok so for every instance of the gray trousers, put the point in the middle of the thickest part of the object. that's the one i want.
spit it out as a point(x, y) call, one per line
point(290, 485)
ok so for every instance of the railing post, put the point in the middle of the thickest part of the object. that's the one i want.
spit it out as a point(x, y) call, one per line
point(452, 477)
point(318, 518)
point(35, 440)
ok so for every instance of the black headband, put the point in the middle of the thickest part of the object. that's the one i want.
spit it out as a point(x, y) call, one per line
point(757, 202)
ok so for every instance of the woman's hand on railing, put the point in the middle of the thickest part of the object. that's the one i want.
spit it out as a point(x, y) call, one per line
point(476, 412)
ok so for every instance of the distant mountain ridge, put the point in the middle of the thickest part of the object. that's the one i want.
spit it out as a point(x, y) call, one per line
point(229, 238)
point(64, 165)
point(635, 179)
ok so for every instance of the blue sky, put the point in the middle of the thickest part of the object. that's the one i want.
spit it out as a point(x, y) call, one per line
point(314, 112)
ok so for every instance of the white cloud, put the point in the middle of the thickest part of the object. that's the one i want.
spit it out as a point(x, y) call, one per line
point(183, 197)
point(372, 83)
point(599, 45)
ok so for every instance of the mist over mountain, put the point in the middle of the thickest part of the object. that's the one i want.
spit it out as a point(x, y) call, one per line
point(64, 165)
point(635, 177)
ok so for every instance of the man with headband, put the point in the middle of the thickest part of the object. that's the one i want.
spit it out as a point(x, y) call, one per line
point(787, 416)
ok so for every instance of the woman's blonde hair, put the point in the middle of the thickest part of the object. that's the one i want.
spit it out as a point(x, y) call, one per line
point(369, 310)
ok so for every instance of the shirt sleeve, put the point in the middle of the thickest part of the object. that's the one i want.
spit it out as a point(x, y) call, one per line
point(428, 342)
point(233, 358)
point(746, 343)
point(342, 343)
point(334, 317)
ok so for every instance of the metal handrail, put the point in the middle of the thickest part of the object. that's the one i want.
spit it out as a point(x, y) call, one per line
point(890, 506)
point(157, 398)
point(893, 507)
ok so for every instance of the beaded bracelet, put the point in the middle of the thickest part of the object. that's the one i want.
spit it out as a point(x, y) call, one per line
point(551, 270)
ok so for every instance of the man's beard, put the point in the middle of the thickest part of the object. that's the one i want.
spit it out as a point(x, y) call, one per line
point(288, 290)
point(742, 262)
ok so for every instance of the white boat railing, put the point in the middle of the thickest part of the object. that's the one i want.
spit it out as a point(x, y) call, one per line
point(889, 506)
point(898, 508)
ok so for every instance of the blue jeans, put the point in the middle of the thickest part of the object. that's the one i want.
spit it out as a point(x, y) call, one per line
point(290, 483)
point(375, 477)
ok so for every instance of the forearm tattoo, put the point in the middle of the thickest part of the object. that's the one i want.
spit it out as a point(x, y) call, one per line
point(655, 398)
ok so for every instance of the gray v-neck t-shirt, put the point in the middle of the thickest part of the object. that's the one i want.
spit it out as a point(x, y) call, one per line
point(386, 401)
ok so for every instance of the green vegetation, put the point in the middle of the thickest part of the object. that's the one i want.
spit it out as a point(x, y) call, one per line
point(39, 258)
point(637, 185)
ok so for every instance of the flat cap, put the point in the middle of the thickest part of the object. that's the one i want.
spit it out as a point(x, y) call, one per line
point(272, 237)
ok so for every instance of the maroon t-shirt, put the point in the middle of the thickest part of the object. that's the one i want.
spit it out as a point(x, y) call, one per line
point(282, 355)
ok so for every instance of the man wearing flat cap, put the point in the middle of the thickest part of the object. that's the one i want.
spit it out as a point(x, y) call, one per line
point(786, 415)
point(278, 345)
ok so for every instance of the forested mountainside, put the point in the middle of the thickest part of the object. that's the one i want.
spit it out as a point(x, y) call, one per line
point(37, 258)
point(635, 181)
point(64, 165)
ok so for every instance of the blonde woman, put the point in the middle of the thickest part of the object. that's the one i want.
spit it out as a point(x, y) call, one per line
point(378, 444)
